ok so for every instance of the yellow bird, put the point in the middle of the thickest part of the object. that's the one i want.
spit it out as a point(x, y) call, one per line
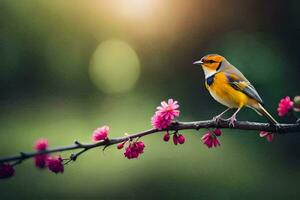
point(228, 86)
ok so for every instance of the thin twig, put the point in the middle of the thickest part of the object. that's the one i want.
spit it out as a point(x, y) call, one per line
point(175, 126)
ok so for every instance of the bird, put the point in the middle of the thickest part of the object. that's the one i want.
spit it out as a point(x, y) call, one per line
point(228, 86)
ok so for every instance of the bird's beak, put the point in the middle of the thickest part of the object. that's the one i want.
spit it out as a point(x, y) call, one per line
point(198, 62)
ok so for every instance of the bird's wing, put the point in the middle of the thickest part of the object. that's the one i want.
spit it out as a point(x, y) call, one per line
point(238, 81)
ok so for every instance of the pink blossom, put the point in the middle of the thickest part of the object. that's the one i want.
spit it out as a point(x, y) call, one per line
point(55, 164)
point(175, 139)
point(269, 136)
point(168, 110)
point(159, 122)
point(165, 114)
point(210, 140)
point(6, 170)
point(134, 149)
point(40, 160)
point(140, 146)
point(217, 132)
point(166, 137)
point(41, 145)
point(181, 139)
point(284, 106)
point(130, 153)
point(100, 133)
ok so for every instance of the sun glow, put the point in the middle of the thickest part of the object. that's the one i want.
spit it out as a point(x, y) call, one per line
point(134, 9)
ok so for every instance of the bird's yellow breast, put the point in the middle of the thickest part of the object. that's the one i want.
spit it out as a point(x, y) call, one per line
point(224, 93)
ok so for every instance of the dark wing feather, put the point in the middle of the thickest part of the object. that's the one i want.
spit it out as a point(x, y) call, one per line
point(243, 85)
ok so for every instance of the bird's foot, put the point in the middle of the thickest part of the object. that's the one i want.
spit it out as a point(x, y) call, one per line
point(217, 119)
point(232, 121)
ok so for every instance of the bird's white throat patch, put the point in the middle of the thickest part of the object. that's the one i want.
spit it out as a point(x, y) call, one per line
point(208, 72)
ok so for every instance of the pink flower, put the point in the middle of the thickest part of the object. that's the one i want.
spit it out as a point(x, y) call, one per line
point(165, 114)
point(181, 139)
point(55, 164)
point(217, 132)
point(134, 149)
point(159, 122)
point(41, 145)
point(6, 170)
point(269, 136)
point(175, 139)
point(100, 133)
point(210, 140)
point(40, 160)
point(168, 110)
point(284, 106)
point(166, 137)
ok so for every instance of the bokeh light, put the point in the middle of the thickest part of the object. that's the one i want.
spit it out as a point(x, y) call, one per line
point(134, 9)
point(115, 66)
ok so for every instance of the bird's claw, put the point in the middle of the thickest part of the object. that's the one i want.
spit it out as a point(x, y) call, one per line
point(217, 119)
point(232, 121)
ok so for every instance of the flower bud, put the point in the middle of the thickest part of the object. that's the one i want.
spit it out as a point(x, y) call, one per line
point(181, 139)
point(175, 139)
point(120, 145)
point(217, 132)
point(166, 137)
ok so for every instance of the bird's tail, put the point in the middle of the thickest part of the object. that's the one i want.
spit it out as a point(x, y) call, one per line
point(265, 113)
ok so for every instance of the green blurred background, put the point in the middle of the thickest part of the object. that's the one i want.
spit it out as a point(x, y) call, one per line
point(68, 67)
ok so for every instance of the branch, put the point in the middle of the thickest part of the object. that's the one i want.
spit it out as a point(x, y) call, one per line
point(175, 126)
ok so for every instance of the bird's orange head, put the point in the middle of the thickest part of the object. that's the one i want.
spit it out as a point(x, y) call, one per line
point(210, 63)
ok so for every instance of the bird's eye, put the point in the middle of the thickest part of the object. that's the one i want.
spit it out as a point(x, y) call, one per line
point(211, 61)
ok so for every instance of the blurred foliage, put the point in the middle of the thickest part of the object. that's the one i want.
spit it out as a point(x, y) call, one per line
point(68, 67)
